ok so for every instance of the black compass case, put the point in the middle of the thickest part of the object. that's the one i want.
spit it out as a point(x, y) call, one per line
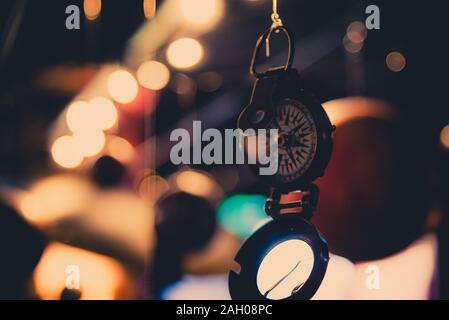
point(243, 285)
point(269, 92)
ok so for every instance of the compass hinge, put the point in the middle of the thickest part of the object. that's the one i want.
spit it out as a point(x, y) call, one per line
point(298, 202)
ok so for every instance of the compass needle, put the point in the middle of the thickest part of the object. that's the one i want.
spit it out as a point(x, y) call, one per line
point(282, 279)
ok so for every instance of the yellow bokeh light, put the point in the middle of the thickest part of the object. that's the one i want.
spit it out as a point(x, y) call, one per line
point(104, 112)
point(66, 152)
point(185, 53)
point(395, 61)
point(122, 86)
point(444, 137)
point(92, 9)
point(90, 142)
point(120, 149)
point(202, 12)
point(153, 75)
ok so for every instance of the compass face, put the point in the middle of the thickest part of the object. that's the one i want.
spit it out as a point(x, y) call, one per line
point(285, 269)
point(297, 139)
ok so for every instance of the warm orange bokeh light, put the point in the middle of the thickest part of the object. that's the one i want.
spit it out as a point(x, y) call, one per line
point(78, 116)
point(122, 86)
point(395, 61)
point(352, 47)
point(356, 32)
point(153, 75)
point(104, 112)
point(149, 8)
point(444, 137)
point(66, 152)
point(92, 9)
point(99, 114)
point(90, 142)
point(119, 149)
point(210, 81)
point(205, 13)
point(55, 197)
point(152, 187)
point(185, 53)
point(123, 219)
point(342, 110)
point(195, 182)
point(99, 277)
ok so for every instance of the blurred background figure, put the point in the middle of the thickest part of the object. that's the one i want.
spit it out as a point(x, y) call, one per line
point(185, 224)
point(379, 195)
point(21, 247)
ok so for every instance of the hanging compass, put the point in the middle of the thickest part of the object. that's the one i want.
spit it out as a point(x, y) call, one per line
point(304, 139)
point(287, 258)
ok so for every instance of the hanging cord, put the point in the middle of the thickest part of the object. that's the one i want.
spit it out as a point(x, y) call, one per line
point(276, 24)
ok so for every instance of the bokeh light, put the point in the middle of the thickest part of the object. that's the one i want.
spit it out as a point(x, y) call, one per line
point(99, 114)
point(185, 53)
point(56, 197)
point(352, 47)
point(100, 277)
point(90, 142)
point(153, 75)
point(149, 8)
point(209, 81)
point(122, 86)
point(395, 61)
point(444, 137)
point(66, 152)
point(122, 218)
point(78, 117)
point(241, 214)
point(182, 84)
point(92, 9)
point(120, 149)
point(152, 187)
point(202, 12)
point(196, 183)
point(104, 112)
point(356, 32)
point(345, 109)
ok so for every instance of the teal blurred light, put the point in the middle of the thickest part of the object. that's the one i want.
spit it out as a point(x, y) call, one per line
point(242, 214)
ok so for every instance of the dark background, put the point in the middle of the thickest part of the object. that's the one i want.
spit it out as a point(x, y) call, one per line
point(417, 29)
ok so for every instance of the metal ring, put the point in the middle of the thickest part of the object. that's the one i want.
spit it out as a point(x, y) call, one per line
point(259, 45)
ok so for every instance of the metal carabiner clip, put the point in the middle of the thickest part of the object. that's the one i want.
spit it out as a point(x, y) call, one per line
point(265, 39)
